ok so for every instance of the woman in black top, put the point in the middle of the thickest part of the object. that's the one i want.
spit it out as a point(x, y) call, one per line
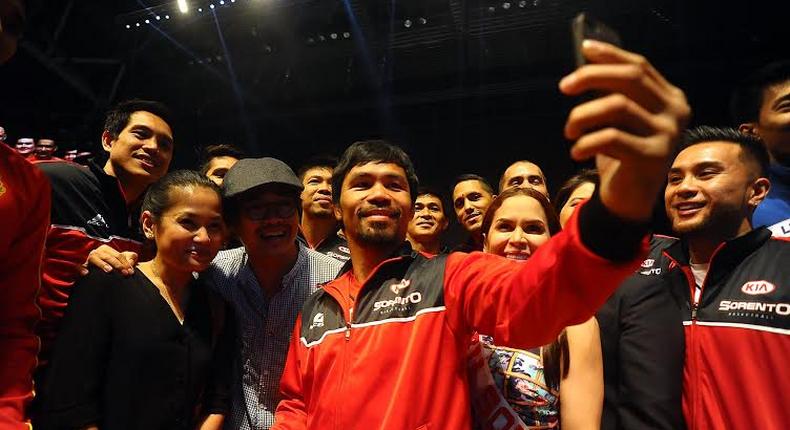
point(148, 351)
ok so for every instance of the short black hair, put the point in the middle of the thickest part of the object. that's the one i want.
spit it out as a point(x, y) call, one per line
point(157, 198)
point(117, 118)
point(747, 99)
point(430, 191)
point(373, 151)
point(751, 146)
point(582, 177)
point(472, 177)
point(322, 161)
point(211, 152)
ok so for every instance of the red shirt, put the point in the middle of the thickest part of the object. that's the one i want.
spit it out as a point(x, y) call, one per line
point(24, 211)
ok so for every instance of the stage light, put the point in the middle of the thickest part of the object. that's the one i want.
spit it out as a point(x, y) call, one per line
point(333, 36)
point(522, 4)
point(233, 1)
point(346, 35)
point(491, 9)
point(211, 6)
point(506, 5)
point(147, 21)
point(222, 2)
point(407, 23)
point(183, 6)
point(200, 9)
point(158, 18)
point(422, 21)
point(136, 24)
point(167, 16)
point(128, 26)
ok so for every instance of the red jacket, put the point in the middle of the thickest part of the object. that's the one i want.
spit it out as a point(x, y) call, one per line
point(24, 213)
point(390, 353)
point(737, 334)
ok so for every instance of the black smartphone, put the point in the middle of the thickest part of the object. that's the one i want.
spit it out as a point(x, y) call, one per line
point(586, 27)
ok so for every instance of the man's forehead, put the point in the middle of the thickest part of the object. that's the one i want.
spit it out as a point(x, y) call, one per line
point(708, 152)
point(319, 171)
point(523, 168)
point(428, 198)
point(149, 119)
point(774, 91)
point(468, 186)
point(377, 168)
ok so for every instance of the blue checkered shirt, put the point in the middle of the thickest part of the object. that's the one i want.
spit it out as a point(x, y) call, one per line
point(264, 328)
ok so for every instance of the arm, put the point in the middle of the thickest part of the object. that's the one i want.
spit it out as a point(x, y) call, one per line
point(632, 133)
point(24, 211)
point(581, 390)
point(71, 396)
point(291, 413)
point(212, 422)
point(216, 402)
point(651, 352)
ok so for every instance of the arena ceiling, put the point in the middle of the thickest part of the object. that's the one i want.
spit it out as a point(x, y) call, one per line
point(295, 77)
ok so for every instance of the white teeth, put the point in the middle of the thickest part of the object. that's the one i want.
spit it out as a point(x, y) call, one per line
point(519, 257)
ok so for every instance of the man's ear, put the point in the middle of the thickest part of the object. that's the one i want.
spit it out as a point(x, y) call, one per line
point(338, 214)
point(759, 188)
point(749, 128)
point(148, 224)
point(445, 224)
point(107, 141)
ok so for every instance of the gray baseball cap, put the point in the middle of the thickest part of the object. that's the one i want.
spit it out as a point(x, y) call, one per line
point(249, 173)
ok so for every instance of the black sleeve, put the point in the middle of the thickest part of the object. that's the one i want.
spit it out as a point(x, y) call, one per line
point(73, 385)
point(217, 399)
point(606, 234)
point(651, 354)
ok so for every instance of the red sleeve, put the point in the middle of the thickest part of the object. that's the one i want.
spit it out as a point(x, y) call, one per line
point(24, 211)
point(291, 413)
point(527, 304)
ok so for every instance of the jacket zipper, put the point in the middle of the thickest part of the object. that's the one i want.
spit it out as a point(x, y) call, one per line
point(695, 301)
point(348, 322)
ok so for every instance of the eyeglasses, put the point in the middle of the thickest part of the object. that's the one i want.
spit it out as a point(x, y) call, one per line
point(257, 212)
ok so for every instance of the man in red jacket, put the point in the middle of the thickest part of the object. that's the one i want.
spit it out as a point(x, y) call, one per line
point(384, 345)
point(732, 282)
point(24, 211)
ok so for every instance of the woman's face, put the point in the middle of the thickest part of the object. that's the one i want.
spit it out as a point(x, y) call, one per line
point(190, 232)
point(581, 193)
point(518, 228)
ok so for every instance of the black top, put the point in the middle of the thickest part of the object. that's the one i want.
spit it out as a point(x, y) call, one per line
point(643, 348)
point(123, 361)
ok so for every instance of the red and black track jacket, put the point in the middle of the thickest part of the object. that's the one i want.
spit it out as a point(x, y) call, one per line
point(391, 352)
point(737, 335)
point(24, 213)
point(88, 210)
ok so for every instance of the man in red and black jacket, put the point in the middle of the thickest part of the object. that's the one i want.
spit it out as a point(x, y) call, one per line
point(732, 284)
point(96, 205)
point(384, 346)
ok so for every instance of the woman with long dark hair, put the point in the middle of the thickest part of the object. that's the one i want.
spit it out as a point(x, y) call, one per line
point(147, 351)
point(559, 385)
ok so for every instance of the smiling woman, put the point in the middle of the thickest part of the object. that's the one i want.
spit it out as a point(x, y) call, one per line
point(110, 367)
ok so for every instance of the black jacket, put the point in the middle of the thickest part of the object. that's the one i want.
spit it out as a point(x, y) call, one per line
point(643, 348)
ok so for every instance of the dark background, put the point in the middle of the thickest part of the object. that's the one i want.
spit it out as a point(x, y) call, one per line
point(470, 88)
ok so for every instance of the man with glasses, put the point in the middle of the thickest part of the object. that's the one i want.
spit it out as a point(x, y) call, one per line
point(266, 281)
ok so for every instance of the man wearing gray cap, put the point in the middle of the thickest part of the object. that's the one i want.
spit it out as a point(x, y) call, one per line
point(266, 281)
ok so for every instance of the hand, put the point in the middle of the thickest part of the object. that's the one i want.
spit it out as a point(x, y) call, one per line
point(632, 131)
point(108, 259)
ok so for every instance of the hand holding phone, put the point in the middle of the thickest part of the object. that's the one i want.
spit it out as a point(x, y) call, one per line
point(631, 129)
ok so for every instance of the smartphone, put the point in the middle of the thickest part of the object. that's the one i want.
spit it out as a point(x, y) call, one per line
point(586, 27)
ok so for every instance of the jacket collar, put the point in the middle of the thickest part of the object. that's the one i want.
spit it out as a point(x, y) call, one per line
point(726, 257)
point(404, 250)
